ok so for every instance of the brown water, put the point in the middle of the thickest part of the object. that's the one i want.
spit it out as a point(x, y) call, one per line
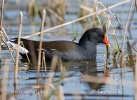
point(79, 80)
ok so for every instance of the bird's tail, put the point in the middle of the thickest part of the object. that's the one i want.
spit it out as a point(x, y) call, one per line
point(14, 45)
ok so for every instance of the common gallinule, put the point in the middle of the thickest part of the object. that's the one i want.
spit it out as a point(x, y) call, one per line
point(85, 49)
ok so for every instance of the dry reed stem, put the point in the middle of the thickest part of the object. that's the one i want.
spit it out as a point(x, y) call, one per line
point(1, 20)
point(2, 9)
point(5, 33)
point(133, 45)
point(89, 15)
point(135, 83)
point(132, 16)
point(86, 8)
point(115, 34)
point(5, 41)
point(9, 49)
point(125, 33)
point(40, 45)
point(51, 76)
point(110, 24)
point(61, 93)
point(42, 63)
point(55, 14)
point(43, 60)
point(21, 43)
point(5, 80)
point(18, 49)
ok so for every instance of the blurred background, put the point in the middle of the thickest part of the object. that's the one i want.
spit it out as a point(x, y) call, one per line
point(73, 80)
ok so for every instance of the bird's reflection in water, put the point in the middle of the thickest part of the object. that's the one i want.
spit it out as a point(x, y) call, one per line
point(90, 73)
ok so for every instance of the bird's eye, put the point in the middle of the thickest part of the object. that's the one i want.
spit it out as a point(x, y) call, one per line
point(100, 35)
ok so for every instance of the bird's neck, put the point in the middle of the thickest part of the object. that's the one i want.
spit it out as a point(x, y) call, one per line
point(88, 46)
point(88, 49)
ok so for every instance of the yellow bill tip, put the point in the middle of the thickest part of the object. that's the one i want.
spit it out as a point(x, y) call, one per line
point(108, 45)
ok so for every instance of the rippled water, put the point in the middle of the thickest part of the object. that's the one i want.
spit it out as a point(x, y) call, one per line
point(79, 80)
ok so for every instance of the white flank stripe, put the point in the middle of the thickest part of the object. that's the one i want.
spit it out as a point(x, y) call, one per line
point(22, 49)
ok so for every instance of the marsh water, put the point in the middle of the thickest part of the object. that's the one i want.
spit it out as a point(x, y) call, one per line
point(78, 80)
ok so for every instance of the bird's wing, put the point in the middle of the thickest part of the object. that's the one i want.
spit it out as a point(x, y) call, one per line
point(61, 46)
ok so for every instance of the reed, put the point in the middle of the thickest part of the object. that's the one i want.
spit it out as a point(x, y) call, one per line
point(5, 40)
point(18, 49)
point(125, 32)
point(26, 53)
point(82, 11)
point(32, 8)
point(135, 75)
point(74, 34)
point(106, 26)
point(131, 61)
point(86, 16)
point(116, 46)
point(5, 80)
point(40, 45)
point(10, 49)
point(1, 20)
point(60, 93)
point(57, 11)
point(117, 49)
point(50, 84)
point(55, 14)
point(132, 16)
point(50, 78)
point(44, 62)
